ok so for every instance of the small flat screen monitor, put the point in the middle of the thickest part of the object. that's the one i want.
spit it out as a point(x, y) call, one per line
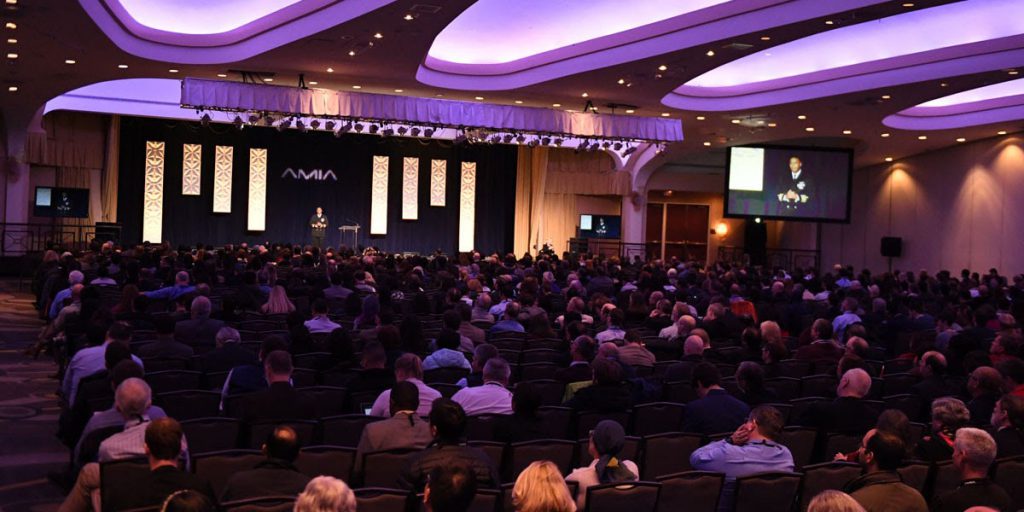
point(61, 202)
point(600, 226)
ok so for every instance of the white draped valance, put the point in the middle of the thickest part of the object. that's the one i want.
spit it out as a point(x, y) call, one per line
point(244, 97)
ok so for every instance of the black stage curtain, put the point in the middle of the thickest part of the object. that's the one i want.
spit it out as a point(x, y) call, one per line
point(290, 201)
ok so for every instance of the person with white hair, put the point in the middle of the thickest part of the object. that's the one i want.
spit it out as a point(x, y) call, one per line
point(200, 330)
point(326, 494)
point(180, 287)
point(74, 277)
point(973, 453)
point(949, 416)
point(491, 398)
point(849, 413)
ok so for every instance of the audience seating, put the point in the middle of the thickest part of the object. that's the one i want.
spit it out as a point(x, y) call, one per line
point(262, 504)
point(555, 420)
point(327, 400)
point(217, 467)
point(1009, 473)
point(668, 453)
point(444, 375)
point(777, 490)
point(89, 445)
point(915, 474)
point(559, 451)
point(945, 478)
point(382, 469)
point(898, 383)
point(818, 386)
point(113, 472)
point(212, 434)
point(827, 475)
point(840, 443)
point(481, 427)
point(551, 391)
point(694, 491)
point(587, 420)
point(258, 431)
point(785, 388)
point(800, 441)
point(336, 461)
point(189, 404)
point(173, 380)
point(617, 497)
point(446, 390)
point(657, 418)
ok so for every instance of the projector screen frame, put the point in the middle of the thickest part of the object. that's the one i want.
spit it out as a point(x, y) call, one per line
point(849, 184)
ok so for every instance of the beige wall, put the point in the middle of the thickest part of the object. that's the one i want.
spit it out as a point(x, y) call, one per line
point(960, 207)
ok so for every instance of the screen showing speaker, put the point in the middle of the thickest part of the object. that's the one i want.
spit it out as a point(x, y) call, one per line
point(61, 202)
point(600, 226)
point(789, 183)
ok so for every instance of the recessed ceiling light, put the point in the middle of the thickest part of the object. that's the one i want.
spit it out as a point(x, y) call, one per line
point(766, 38)
point(399, 90)
point(847, 132)
point(662, 68)
point(69, 61)
point(268, 79)
point(961, 139)
point(665, 114)
point(11, 2)
point(556, 105)
point(351, 53)
point(735, 121)
point(408, 17)
point(1012, 72)
point(888, 159)
point(12, 41)
point(585, 95)
point(622, 81)
point(519, 102)
point(772, 125)
point(630, 111)
point(830, 22)
point(221, 75)
point(885, 135)
point(922, 137)
point(1001, 132)
point(357, 87)
point(710, 53)
point(378, 35)
point(12, 55)
point(706, 143)
point(908, 4)
point(943, 84)
point(478, 98)
point(172, 70)
point(439, 95)
point(886, 97)
point(330, 70)
point(809, 129)
point(314, 83)
point(801, 117)
point(11, 25)
point(13, 88)
point(122, 66)
point(700, 118)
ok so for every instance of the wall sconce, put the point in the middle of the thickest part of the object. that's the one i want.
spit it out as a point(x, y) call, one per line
point(722, 229)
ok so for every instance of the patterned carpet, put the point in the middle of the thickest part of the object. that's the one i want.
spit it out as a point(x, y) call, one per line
point(28, 410)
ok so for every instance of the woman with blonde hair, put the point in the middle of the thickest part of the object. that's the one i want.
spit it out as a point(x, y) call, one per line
point(278, 302)
point(834, 501)
point(540, 488)
point(770, 332)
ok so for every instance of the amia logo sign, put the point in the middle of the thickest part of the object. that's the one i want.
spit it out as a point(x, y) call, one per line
point(312, 174)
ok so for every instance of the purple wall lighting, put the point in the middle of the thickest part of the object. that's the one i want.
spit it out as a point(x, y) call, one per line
point(951, 39)
point(985, 105)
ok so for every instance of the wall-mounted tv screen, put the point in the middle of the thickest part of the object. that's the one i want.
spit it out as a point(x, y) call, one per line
point(789, 183)
point(61, 202)
point(600, 226)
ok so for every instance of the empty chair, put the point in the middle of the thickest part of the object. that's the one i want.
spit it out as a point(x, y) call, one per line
point(345, 429)
point(898, 383)
point(383, 469)
point(679, 391)
point(303, 378)
point(785, 388)
point(551, 391)
point(446, 390)
point(189, 404)
point(945, 478)
point(327, 400)
point(494, 450)
point(909, 404)
point(693, 491)
point(616, 497)
point(915, 474)
point(217, 467)
point(840, 443)
point(795, 368)
point(119, 471)
point(336, 461)
point(558, 451)
point(556, 421)
point(801, 405)
point(668, 453)
point(485, 500)
point(361, 401)
point(898, 366)
point(446, 375)
point(776, 490)
point(160, 364)
point(312, 360)
point(211, 434)
point(540, 355)
point(587, 420)
point(657, 418)
point(173, 380)
point(304, 429)
point(377, 499)
point(537, 371)
point(825, 476)
point(261, 504)
point(800, 441)
point(481, 427)
point(818, 385)
point(1009, 473)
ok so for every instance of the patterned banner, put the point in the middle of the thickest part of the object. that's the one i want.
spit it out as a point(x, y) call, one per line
point(191, 169)
point(467, 207)
point(222, 179)
point(379, 196)
point(257, 189)
point(153, 193)
point(410, 188)
point(438, 178)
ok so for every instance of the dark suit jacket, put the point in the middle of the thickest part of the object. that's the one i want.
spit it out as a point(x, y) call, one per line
point(717, 412)
point(973, 493)
point(981, 409)
point(165, 349)
point(819, 350)
point(278, 402)
point(151, 488)
point(198, 332)
point(1009, 442)
point(227, 357)
point(844, 415)
point(272, 477)
point(574, 373)
point(420, 464)
point(681, 371)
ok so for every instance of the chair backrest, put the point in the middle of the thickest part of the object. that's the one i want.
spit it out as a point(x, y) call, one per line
point(446, 390)
point(915, 474)
point(898, 383)
point(840, 443)
point(657, 417)
point(558, 451)
point(537, 371)
point(1009, 473)
point(262, 504)
point(540, 355)
point(359, 399)
point(336, 461)
point(160, 364)
point(818, 385)
point(551, 390)
point(556, 421)
point(909, 404)
point(668, 453)
point(303, 378)
point(795, 368)
point(800, 441)
point(211, 434)
point(111, 473)
point(327, 400)
point(173, 380)
point(493, 449)
point(189, 404)
point(587, 420)
point(945, 478)
point(217, 467)
point(444, 375)
point(825, 476)
point(382, 469)
point(379, 499)
point(785, 388)
point(755, 491)
point(679, 391)
point(311, 360)
point(89, 446)
point(623, 496)
point(345, 429)
point(485, 500)
point(694, 491)
point(258, 431)
point(481, 427)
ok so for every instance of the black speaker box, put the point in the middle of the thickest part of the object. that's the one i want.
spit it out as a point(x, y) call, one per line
point(892, 246)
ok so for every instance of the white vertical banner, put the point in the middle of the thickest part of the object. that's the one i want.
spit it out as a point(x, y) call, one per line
point(410, 188)
point(257, 189)
point(222, 168)
point(467, 206)
point(379, 196)
point(438, 177)
point(153, 193)
point(191, 169)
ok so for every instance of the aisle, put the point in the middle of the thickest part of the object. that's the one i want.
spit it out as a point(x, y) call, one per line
point(28, 410)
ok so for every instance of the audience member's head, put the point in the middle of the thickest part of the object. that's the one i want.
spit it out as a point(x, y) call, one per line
point(187, 500)
point(583, 348)
point(481, 354)
point(497, 370)
point(405, 396)
point(227, 335)
point(607, 350)
point(278, 366)
point(1012, 371)
point(606, 441)
point(984, 380)
point(200, 307)
point(855, 383)
point(374, 356)
point(447, 421)
point(821, 329)
point(282, 443)
point(606, 371)
point(326, 494)
point(163, 441)
point(706, 377)
point(768, 421)
point(693, 346)
point(881, 451)
point(932, 364)
point(408, 366)
point(124, 370)
point(832, 500)
point(450, 488)
point(896, 422)
point(133, 398)
point(949, 415)
point(1008, 413)
point(541, 488)
point(770, 331)
point(973, 452)
point(750, 377)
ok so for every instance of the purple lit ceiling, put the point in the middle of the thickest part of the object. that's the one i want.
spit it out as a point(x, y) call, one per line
point(984, 105)
point(926, 44)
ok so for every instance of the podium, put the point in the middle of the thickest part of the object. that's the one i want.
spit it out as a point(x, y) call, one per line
point(345, 230)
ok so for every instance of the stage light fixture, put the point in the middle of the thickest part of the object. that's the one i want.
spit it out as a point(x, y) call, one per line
point(415, 131)
point(348, 126)
point(253, 118)
point(205, 120)
point(508, 138)
point(533, 143)
point(337, 134)
point(617, 146)
point(329, 125)
point(300, 125)
point(460, 139)
point(558, 141)
point(629, 151)
point(520, 139)
point(387, 132)
point(428, 133)
point(402, 130)
point(606, 145)
point(545, 141)
point(238, 122)
point(374, 128)
point(287, 123)
point(268, 120)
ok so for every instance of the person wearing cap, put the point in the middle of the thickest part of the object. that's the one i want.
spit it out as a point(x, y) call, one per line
point(606, 442)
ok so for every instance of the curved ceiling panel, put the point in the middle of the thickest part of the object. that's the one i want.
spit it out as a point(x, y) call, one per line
point(957, 38)
point(215, 32)
point(500, 45)
point(985, 105)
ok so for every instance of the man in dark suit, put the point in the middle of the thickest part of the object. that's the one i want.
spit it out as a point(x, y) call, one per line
point(973, 453)
point(165, 346)
point(822, 347)
point(716, 410)
point(318, 226)
point(280, 401)
point(448, 425)
point(404, 429)
point(608, 393)
point(848, 413)
point(932, 369)
point(200, 330)
point(151, 488)
point(229, 352)
point(693, 354)
point(275, 476)
point(582, 352)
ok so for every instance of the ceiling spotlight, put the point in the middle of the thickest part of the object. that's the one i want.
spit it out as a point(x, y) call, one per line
point(402, 130)
point(545, 141)
point(507, 139)
point(943, 84)
point(585, 95)
point(1012, 72)
point(700, 118)
point(399, 90)
point(888, 159)
point(766, 38)
point(205, 119)
point(772, 125)
point(351, 53)
point(415, 131)
point(556, 105)
point(665, 114)
point(428, 133)
point(478, 98)
point(884, 135)
point(706, 143)
point(378, 35)
point(630, 111)
point(735, 121)
point(10, 25)
point(221, 75)
point(886, 97)
point(172, 70)
point(757, 220)
point(617, 146)
point(710, 53)
point(329, 126)
point(908, 4)
point(268, 79)
point(622, 81)
point(830, 22)
point(122, 66)
point(357, 87)
point(533, 143)
point(12, 88)
point(374, 128)
point(70, 61)
point(315, 124)
point(922, 137)
point(330, 70)
point(520, 139)
point(961, 139)
point(809, 129)
point(518, 102)
point(1001, 132)
point(801, 117)
point(847, 132)
point(662, 68)
point(408, 17)
point(12, 55)
point(238, 122)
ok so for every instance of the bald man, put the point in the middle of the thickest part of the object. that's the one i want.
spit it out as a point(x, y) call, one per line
point(985, 387)
point(848, 413)
point(693, 354)
point(274, 476)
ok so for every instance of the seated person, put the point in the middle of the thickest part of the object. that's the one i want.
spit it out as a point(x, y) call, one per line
point(200, 330)
point(581, 350)
point(881, 489)
point(407, 369)
point(985, 388)
point(693, 353)
point(228, 353)
point(163, 441)
point(822, 348)
point(933, 370)
point(481, 354)
point(448, 426)
point(124, 370)
point(606, 441)
point(450, 488)
point(326, 493)
point(165, 346)
point(509, 322)
point(320, 323)
point(973, 453)
point(524, 424)
point(275, 476)
point(447, 354)
point(280, 401)
point(249, 378)
point(491, 398)
point(752, 448)
point(948, 416)
point(634, 353)
point(404, 429)
point(541, 488)
point(716, 410)
point(750, 381)
point(374, 375)
point(849, 413)
point(608, 393)
point(1008, 420)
